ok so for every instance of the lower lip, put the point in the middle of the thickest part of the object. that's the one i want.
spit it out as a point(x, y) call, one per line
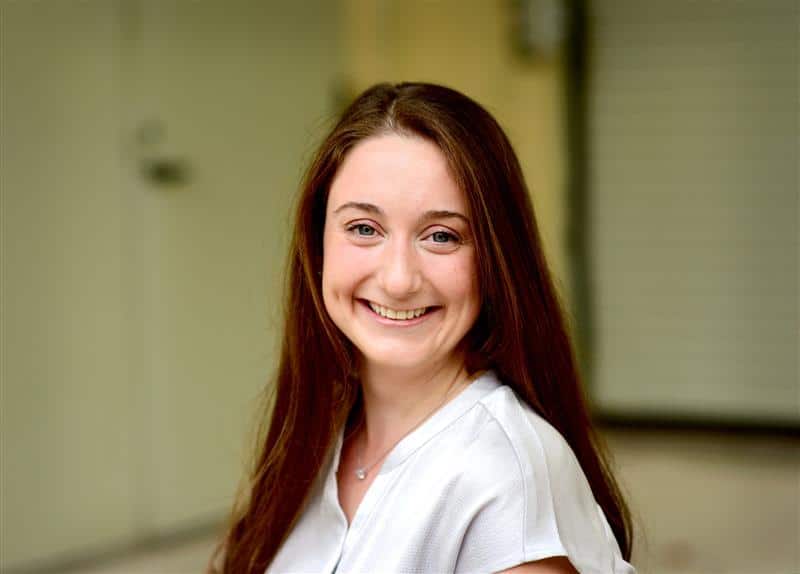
point(398, 322)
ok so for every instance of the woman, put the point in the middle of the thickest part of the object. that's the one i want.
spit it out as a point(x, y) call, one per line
point(428, 415)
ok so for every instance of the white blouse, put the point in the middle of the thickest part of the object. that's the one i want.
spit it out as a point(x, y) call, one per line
point(483, 485)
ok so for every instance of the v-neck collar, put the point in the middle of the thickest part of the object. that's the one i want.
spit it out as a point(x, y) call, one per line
point(436, 423)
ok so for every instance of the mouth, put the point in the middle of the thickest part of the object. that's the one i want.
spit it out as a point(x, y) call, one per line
point(405, 316)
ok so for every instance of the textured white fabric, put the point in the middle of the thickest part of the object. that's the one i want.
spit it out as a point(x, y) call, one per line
point(483, 485)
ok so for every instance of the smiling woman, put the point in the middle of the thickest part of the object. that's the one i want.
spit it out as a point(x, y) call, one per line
point(399, 276)
point(428, 415)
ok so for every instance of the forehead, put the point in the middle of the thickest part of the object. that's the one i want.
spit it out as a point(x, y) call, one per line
point(392, 169)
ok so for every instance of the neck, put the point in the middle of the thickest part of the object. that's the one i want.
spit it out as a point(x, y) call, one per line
point(396, 400)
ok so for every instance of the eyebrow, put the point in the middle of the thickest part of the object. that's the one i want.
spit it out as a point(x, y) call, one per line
point(427, 216)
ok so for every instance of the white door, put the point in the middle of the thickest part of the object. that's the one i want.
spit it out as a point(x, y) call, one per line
point(65, 466)
point(140, 318)
point(230, 96)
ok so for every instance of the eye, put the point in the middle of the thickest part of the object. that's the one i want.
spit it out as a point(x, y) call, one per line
point(442, 241)
point(362, 230)
point(443, 237)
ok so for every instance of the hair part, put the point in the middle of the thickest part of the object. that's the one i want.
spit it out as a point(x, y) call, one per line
point(520, 332)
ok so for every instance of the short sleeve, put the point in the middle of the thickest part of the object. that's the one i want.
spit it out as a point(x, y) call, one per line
point(536, 502)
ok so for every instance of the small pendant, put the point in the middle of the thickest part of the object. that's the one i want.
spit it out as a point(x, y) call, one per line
point(361, 474)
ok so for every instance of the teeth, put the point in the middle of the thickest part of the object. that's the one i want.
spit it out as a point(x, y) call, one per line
point(402, 315)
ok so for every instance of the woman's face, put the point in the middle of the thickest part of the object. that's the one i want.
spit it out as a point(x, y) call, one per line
point(399, 276)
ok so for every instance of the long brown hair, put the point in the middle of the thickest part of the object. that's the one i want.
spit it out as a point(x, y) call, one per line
point(520, 332)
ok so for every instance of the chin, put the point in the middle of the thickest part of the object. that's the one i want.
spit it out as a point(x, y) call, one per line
point(393, 361)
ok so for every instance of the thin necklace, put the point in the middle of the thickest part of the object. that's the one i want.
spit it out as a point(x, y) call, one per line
point(362, 471)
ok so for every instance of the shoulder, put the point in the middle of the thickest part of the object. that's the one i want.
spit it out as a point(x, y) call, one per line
point(520, 438)
point(511, 447)
point(537, 502)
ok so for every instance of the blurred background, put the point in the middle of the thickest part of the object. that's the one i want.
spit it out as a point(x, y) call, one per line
point(151, 150)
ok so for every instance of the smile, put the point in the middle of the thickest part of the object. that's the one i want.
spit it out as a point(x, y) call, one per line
point(397, 314)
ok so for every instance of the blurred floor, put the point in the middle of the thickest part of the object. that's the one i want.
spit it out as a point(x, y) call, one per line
point(710, 503)
point(186, 557)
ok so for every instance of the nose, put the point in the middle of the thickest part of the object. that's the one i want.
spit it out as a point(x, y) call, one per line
point(400, 273)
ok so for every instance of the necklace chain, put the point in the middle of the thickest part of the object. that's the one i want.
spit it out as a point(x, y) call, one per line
point(362, 471)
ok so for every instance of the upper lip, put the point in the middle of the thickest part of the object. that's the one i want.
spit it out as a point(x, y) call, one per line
point(393, 308)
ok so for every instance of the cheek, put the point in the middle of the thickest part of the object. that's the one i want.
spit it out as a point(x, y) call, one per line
point(331, 257)
point(459, 282)
point(343, 266)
